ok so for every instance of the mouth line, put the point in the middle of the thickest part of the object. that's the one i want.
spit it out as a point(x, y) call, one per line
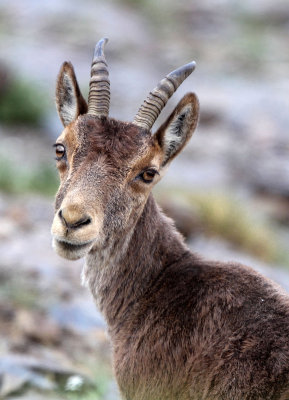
point(73, 246)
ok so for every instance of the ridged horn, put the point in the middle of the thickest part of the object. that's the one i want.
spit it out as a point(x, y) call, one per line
point(158, 97)
point(99, 86)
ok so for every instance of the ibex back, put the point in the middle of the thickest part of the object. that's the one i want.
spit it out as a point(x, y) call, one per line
point(181, 327)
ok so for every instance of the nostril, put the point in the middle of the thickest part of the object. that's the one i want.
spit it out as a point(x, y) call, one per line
point(60, 214)
point(82, 222)
point(72, 221)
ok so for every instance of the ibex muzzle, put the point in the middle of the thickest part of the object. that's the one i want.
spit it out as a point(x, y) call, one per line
point(182, 327)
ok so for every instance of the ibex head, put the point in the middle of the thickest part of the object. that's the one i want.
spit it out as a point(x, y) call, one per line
point(107, 168)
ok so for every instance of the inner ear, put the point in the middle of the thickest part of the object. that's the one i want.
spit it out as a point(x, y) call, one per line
point(69, 100)
point(173, 135)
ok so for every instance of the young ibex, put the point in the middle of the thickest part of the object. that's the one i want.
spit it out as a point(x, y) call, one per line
point(181, 327)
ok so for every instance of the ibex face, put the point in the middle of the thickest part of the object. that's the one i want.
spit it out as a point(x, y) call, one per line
point(107, 168)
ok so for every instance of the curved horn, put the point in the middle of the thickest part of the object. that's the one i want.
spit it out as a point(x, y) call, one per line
point(99, 86)
point(157, 99)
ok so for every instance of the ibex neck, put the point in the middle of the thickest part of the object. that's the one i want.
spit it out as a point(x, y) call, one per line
point(122, 276)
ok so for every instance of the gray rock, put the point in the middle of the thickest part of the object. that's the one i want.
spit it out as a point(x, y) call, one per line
point(78, 315)
point(17, 371)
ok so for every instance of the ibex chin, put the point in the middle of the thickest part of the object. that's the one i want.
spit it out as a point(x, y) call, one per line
point(181, 327)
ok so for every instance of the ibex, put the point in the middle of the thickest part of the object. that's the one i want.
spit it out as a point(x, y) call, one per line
point(181, 327)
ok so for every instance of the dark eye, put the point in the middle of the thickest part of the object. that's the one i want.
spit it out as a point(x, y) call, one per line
point(59, 151)
point(148, 175)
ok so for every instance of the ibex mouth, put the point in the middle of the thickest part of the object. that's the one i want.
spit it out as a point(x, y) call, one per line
point(73, 247)
point(70, 250)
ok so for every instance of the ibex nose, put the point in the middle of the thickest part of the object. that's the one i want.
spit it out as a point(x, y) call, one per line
point(73, 218)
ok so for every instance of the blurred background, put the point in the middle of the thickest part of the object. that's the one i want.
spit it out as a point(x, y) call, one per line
point(228, 191)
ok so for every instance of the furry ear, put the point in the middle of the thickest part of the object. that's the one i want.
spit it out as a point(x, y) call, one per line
point(173, 135)
point(69, 101)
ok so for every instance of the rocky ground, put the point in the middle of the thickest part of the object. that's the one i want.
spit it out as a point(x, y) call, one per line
point(53, 340)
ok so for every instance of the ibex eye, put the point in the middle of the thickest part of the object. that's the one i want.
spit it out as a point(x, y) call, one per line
point(59, 151)
point(148, 175)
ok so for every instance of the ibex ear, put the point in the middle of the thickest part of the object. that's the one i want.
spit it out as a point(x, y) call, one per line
point(69, 101)
point(173, 135)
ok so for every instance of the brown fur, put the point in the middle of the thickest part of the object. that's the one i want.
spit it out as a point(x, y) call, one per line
point(181, 327)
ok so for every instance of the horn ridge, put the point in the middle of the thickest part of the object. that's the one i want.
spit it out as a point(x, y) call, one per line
point(158, 97)
point(99, 86)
